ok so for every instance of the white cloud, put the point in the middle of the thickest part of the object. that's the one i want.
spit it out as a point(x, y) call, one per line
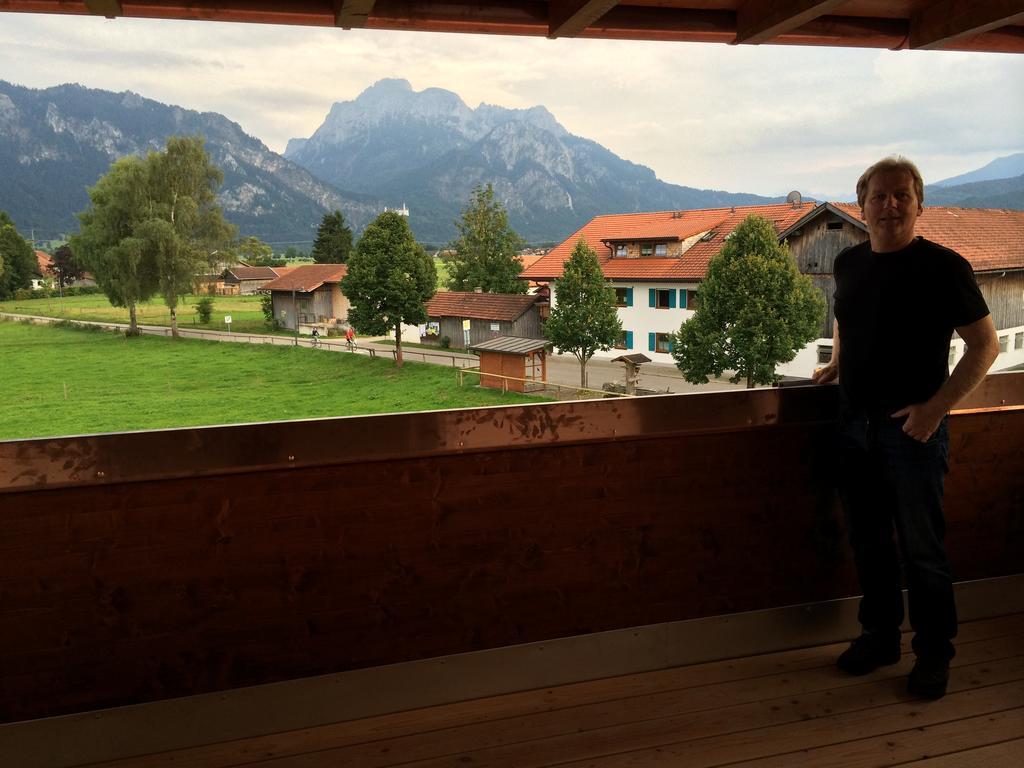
point(761, 119)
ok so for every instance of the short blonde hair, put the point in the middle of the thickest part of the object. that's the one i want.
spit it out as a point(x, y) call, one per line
point(891, 163)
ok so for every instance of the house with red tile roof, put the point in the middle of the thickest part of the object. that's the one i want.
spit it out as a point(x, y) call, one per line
point(44, 272)
point(656, 262)
point(244, 280)
point(309, 297)
point(473, 318)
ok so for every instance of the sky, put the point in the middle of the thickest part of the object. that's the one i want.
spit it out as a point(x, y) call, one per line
point(762, 119)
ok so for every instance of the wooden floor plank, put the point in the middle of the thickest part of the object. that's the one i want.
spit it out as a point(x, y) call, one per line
point(486, 723)
point(795, 737)
point(1008, 754)
point(571, 734)
point(956, 739)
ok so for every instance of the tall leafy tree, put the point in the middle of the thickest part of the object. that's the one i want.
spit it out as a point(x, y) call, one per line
point(254, 252)
point(390, 278)
point(333, 244)
point(151, 226)
point(756, 310)
point(584, 319)
point(17, 259)
point(485, 254)
point(65, 267)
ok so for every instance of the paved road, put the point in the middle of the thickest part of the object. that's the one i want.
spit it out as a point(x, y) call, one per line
point(562, 369)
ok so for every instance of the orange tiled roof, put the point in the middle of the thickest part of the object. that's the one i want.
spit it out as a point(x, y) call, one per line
point(989, 238)
point(479, 306)
point(307, 278)
point(692, 265)
point(43, 262)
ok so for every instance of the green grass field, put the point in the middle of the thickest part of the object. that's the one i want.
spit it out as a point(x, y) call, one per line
point(246, 315)
point(67, 381)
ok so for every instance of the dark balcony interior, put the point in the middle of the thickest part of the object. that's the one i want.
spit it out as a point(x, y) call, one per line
point(142, 567)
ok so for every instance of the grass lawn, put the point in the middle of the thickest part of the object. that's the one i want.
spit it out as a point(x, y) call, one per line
point(66, 381)
point(246, 315)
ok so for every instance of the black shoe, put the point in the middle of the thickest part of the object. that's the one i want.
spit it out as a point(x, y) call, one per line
point(929, 677)
point(869, 652)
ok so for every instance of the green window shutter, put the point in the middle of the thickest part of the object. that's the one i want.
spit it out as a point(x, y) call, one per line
point(671, 299)
point(671, 345)
point(629, 297)
point(629, 339)
point(650, 341)
point(652, 297)
point(682, 298)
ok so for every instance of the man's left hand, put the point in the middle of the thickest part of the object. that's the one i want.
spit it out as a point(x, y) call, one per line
point(922, 420)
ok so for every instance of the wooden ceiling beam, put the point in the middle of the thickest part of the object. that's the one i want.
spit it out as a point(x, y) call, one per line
point(758, 21)
point(948, 20)
point(108, 8)
point(352, 14)
point(567, 18)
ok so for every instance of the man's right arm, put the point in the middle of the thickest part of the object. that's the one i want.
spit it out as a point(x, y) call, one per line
point(830, 372)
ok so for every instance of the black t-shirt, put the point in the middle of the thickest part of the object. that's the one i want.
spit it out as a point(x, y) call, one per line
point(897, 312)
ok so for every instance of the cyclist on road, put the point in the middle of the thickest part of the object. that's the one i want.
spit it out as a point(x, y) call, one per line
point(350, 339)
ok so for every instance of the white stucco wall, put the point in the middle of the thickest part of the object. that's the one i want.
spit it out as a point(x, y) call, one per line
point(643, 319)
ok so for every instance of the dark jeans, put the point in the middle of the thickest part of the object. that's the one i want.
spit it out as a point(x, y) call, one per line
point(888, 479)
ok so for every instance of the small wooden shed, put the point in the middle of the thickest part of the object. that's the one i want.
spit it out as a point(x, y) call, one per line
point(522, 361)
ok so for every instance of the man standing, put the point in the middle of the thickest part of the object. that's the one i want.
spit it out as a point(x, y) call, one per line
point(898, 300)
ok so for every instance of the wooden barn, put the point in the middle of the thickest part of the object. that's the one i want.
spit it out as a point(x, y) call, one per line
point(466, 319)
point(658, 581)
point(309, 296)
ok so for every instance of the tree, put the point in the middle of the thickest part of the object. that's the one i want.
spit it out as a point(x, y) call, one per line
point(254, 252)
point(756, 310)
point(583, 319)
point(17, 259)
point(485, 254)
point(65, 267)
point(151, 226)
point(333, 243)
point(390, 278)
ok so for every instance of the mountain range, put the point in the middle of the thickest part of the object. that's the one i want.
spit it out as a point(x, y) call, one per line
point(389, 146)
point(55, 143)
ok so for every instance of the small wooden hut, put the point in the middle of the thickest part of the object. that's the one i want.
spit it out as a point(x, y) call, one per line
point(522, 361)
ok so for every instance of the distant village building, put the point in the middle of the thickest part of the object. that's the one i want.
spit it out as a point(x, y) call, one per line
point(309, 297)
point(44, 274)
point(403, 211)
point(656, 262)
point(243, 280)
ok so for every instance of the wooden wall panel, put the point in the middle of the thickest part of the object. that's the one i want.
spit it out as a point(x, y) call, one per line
point(129, 592)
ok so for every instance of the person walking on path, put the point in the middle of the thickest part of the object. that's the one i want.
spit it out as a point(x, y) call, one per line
point(895, 393)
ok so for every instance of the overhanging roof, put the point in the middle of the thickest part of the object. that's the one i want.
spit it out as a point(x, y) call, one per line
point(984, 25)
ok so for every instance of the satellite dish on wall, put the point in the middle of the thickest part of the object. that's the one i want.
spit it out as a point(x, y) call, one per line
point(794, 199)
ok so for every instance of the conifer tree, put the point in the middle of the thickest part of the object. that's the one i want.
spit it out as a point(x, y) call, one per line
point(333, 243)
point(584, 319)
point(485, 255)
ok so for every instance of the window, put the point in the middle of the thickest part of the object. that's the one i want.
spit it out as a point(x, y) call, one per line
point(620, 251)
point(624, 341)
point(661, 249)
point(693, 300)
point(623, 297)
point(824, 354)
point(663, 342)
point(666, 300)
point(1018, 341)
point(646, 250)
point(1004, 343)
point(834, 225)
